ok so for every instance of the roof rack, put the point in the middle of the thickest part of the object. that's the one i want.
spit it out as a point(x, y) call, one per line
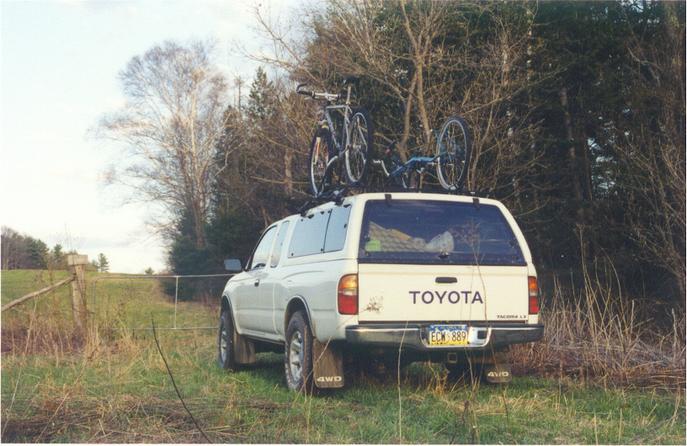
point(337, 195)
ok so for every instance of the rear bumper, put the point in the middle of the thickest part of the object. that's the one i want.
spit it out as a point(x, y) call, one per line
point(414, 336)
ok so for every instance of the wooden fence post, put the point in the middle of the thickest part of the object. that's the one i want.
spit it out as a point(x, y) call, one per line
point(77, 266)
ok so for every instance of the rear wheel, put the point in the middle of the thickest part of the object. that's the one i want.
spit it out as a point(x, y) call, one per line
point(320, 171)
point(298, 354)
point(359, 145)
point(453, 152)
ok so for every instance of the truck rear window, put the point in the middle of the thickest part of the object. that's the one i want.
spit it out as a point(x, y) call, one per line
point(437, 232)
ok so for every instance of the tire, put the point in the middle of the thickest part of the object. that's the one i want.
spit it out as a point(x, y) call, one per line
point(320, 153)
point(225, 341)
point(359, 147)
point(298, 354)
point(454, 147)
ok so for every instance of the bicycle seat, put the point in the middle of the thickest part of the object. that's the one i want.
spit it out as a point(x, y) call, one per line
point(351, 79)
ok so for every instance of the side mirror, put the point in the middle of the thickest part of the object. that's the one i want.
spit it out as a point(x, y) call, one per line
point(233, 265)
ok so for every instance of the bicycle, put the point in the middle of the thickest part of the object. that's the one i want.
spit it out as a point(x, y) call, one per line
point(451, 159)
point(328, 148)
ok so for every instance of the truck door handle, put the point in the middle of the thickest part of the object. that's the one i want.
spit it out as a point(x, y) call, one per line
point(446, 280)
point(257, 282)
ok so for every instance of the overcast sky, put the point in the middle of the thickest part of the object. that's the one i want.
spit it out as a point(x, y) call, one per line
point(59, 65)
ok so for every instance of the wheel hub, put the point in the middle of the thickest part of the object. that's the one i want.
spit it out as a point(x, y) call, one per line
point(223, 343)
point(296, 356)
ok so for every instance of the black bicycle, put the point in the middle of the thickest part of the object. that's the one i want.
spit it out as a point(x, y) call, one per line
point(338, 157)
point(450, 161)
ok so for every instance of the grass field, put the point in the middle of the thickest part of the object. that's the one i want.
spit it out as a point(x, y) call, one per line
point(115, 388)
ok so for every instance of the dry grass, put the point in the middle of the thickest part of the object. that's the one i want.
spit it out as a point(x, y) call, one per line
point(113, 387)
point(599, 334)
point(128, 419)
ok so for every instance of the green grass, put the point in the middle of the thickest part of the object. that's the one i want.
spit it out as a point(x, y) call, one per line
point(114, 301)
point(116, 389)
point(17, 283)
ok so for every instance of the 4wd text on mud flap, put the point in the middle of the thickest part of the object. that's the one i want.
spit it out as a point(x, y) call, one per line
point(329, 379)
point(452, 297)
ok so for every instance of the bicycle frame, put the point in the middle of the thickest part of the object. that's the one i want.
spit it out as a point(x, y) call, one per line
point(341, 144)
point(415, 162)
point(343, 151)
point(345, 131)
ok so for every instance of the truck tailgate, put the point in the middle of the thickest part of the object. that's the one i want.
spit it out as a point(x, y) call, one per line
point(444, 293)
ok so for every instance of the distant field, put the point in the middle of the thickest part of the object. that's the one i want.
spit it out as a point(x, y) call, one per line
point(115, 389)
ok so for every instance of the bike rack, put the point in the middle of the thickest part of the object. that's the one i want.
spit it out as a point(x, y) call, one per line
point(338, 194)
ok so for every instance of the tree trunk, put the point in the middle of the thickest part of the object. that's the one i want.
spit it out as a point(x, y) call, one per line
point(288, 172)
point(198, 226)
point(572, 155)
point(575, 173)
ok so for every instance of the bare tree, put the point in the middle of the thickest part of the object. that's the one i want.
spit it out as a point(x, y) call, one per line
point(422, 55)
point(652, 150)
point(172, 120)
point(265, 149)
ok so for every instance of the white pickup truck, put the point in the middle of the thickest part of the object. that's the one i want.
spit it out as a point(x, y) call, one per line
point(432, 277)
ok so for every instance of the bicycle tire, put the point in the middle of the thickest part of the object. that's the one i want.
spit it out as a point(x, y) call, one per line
point(318, 160)
point(359, 147)
point(453, 151)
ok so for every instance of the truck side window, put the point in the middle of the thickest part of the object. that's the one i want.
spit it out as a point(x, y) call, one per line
point(337, 228)
point(308, 235)
point(262, 251)
point(276, 252)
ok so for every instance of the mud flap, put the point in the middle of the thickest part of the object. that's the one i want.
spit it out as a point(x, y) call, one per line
point(497, 369)
point(327, 361)
point(244, 350)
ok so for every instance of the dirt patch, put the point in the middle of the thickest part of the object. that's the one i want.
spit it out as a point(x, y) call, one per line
point(122, 420)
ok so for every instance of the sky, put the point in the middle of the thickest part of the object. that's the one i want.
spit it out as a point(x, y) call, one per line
point(59, 62)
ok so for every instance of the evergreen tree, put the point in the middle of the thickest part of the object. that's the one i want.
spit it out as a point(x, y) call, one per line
point(23, 251)
point(103, 263)
point(58, 258)
point(262, 97)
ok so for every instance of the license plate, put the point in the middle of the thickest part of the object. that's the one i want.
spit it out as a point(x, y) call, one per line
point(448, 335)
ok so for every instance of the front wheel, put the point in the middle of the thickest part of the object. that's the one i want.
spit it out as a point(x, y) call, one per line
point(359, 145)
point(453, 150)
point(298, 354)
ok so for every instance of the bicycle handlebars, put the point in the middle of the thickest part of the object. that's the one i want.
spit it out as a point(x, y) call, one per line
point(317, 95)
point(301, 90)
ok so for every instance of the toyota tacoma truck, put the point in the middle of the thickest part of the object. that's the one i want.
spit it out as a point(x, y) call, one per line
point(429, 277)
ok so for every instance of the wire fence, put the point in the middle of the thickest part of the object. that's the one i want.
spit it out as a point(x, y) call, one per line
point(188, 302)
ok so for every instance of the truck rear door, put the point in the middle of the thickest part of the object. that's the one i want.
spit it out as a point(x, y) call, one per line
point(424, 260)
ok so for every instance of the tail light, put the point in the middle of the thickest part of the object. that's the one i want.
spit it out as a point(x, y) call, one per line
point(348, 294)
point(533, 291)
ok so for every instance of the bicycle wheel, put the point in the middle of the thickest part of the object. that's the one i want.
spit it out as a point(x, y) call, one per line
point(320, 174)
point(359, 145)
point(453, 152)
